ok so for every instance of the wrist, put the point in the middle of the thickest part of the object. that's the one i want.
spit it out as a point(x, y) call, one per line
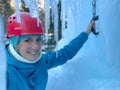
point(87, 32)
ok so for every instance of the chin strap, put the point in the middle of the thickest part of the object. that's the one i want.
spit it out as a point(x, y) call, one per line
point(20, 58)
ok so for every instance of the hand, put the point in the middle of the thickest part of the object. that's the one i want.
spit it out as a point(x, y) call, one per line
point(89, 27)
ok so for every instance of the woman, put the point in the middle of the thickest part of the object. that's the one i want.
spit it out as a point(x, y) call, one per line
point(26, 65)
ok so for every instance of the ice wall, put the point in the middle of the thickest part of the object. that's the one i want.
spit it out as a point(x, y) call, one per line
point(110, 22)
point(96, 66)
point(2, 57)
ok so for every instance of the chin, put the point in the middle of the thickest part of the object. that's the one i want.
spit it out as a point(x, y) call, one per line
point(32, 59)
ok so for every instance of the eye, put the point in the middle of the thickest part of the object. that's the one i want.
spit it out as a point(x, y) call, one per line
point(27, 40)
point(39, 39)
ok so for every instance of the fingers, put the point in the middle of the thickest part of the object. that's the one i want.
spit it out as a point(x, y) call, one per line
point(93, 24)
point(89, 27)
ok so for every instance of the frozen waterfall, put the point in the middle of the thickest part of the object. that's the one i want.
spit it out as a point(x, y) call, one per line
point(96, 66)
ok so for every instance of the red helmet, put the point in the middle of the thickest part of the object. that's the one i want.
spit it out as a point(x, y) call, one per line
point(28, 25)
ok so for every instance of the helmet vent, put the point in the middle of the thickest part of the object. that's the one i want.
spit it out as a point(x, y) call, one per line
point(10, 22)
point(14, 17)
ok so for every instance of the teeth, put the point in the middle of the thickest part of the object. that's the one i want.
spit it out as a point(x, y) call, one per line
point(33, 53)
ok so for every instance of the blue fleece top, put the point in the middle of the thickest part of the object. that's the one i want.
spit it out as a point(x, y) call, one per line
point(27, 76)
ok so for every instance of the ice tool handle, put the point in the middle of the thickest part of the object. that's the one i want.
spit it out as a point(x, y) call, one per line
point(93, 29)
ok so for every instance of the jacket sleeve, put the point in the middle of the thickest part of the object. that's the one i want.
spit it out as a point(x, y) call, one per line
point(67, 52)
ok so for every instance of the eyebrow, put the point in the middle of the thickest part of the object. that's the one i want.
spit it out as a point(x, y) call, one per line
point(30, 37)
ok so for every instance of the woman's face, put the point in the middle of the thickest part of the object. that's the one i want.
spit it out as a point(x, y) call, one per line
point(30, 47)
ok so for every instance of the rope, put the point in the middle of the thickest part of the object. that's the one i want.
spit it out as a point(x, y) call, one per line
point(94, 7)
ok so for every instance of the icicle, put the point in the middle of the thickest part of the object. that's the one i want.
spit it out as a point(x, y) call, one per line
point(17, 10)
point(55, 20)
point(2, 57)
point(73, 10)
point(47, 17)
point(33, 6)
point(64, 9)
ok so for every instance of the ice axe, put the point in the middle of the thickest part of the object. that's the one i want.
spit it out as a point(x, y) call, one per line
point(93, 29)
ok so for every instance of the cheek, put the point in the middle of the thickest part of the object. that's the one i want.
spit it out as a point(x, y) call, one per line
point(21, 48)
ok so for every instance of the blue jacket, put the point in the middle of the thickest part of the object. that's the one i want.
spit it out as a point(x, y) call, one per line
point(26, 76)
